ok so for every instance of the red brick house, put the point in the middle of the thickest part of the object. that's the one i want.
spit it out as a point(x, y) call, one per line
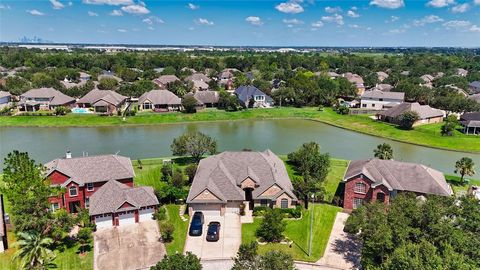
point(104, 185)
point(380, 180)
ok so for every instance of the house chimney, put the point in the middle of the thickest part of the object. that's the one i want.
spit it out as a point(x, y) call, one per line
point(68, 154)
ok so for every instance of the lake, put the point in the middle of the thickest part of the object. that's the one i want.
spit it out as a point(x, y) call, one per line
point(281, 136)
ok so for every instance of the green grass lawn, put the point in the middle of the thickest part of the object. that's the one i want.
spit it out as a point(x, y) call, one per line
point(180, 233)
point(458, 187)
point(68, 259)
point(427, 135)
point(298, 231)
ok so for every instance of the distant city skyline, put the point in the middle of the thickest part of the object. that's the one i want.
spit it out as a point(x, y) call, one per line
point(435, 23)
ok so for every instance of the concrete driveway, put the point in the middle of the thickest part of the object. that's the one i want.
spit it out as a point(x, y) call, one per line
point(128, 247)
point(226, 247)
point(343, 249)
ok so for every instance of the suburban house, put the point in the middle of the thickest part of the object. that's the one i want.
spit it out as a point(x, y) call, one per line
point(44, 99)
point(200, 85)
point(462, 72)
point(226, 79)
point(427, 114)
point(3, 227)
point(427, 78)
point(164, 80)
point(85, 76)
point(116, 204)
point(333, 75)
point(382, 87)
point(81, 177)
point(5, 99)
point(380, 100)
point(109, 75)
point(474, 87)
point(475, 97)
point(357, 80)
point(380, 180)
point(159, 100)
point(198, 77)
point(225, 181)
point(250, 96)
point(471, 123)
point(83, 79)
point(102, 101)
point(381, 76)
point(206, 99)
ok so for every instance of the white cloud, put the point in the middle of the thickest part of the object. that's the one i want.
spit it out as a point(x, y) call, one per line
point(152, 20)
point(390, 4)
point(336, 18)
point(292, 7)
point(333, 9)
point(354, 8)
point(56, 4)
point(352, 14)
point(109, 2)
point(116, 12)
point(460, 8)
point(2, 6)
point(394, 18)
point(457, 25)
point(353, 26)
point(427, 19)
point(203, 21)
point(122, 30)
point(476, 2)
point(317, 24)
point(440, 3)
point(136, 9)
point(35, 12)
point(292, 21)
point(474, 28)
point(70, 3)
point(397, 31)
point(192, 6)
point(92, 14)
point(254, 20)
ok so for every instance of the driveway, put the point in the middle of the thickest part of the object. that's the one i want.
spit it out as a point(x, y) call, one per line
point(343, 249)
point(226, 247)
point(128, 247)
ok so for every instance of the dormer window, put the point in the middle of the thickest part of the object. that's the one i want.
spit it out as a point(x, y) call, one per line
point(72, 191)
point(90, 187)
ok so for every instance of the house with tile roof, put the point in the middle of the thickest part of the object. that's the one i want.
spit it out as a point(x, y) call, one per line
point(164, 80)
point(379, 180)
point(44, 99)
point(159, 100)
point(427, 114)
point(357, 80)
point(205, 99)
point(81, 177)
point(102, 101)
point(228, 180)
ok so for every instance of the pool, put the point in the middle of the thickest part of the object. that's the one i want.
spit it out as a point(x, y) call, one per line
point(81, 110)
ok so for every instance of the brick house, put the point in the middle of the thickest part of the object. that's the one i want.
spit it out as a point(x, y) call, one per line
point(225, 181)
point(380, 180)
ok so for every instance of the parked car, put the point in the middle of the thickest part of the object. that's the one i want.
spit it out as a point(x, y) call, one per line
point(196, 225)
point(213, 232)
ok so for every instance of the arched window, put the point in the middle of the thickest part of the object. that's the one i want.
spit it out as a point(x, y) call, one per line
point(360, 188)
point(284, 203)
point(72, 191)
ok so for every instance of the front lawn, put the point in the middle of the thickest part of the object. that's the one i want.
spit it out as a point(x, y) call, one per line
point(298, 231)
point(458, 187)
point(181, 228)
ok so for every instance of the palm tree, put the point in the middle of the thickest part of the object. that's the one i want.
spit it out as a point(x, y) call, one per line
point(33, 251)
point(383, 151)
point(465, 166)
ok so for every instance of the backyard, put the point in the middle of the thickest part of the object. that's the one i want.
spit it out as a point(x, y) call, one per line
point(298, 231)
point(427, 135)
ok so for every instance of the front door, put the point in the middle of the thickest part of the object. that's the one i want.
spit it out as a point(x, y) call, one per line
point(74, 206)
point(249, 197)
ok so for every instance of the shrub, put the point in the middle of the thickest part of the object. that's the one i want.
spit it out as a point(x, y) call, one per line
point(167, 171)
point(343, 110)
point(242, 209)
point(260, 210)
point(407, 119)
point(61, 110)
point(160, 214)
point(287, 212)
point(189, 103)
point(190, 171)
point(166, 231)
point(178, 178)
point(272, 227)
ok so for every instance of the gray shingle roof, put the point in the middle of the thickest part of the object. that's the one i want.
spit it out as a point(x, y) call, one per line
point(402, 176)
point(92, 169)
point(470, 119)
point(160, 97)
point(475, 84)
point(198, 77)
point(245, 92)
point(4, 94)
point(113, 194)
point(166, 79)
point(381, 94)
point(423, 111)
point(223, 174)
point(58, 98)
point(108, 96)
point(206, 96)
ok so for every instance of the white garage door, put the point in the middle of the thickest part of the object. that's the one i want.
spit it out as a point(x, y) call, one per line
point(146, 214)
point(104, 221)
point(233, 207)
point(126, 218)
point(207, 209)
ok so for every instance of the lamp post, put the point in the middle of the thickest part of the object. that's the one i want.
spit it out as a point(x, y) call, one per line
point(311, 227)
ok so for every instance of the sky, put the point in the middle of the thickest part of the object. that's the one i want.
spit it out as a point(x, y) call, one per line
point(245, 23)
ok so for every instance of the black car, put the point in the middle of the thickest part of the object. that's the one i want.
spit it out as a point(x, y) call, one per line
point(196, 225)
point(213, 232)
